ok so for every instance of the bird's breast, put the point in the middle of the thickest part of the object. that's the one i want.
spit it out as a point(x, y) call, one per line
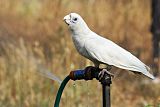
point(79, 44)
point(80, 47)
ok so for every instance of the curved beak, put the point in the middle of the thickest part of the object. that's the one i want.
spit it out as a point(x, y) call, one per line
point(67, 19)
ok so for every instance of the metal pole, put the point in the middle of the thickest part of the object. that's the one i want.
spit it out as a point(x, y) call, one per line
point(106, 96)
point(106, 81)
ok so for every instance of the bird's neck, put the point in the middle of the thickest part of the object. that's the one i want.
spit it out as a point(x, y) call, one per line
point(83, 31)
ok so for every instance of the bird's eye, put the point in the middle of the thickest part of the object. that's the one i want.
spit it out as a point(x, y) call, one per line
point(75, 19)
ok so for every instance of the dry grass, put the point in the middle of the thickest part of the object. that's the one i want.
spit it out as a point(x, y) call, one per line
point(34, 30)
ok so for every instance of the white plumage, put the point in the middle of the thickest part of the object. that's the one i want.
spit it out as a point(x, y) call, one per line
point(101, 50)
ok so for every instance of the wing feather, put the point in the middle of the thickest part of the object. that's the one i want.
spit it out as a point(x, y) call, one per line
point(106, 51)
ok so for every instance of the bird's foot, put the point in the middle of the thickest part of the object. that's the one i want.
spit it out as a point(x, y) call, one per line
point(103, 72)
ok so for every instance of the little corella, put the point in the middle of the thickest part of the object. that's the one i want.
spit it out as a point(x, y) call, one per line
point(101, 50)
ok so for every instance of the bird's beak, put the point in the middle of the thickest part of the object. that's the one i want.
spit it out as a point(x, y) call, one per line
point(67, 19)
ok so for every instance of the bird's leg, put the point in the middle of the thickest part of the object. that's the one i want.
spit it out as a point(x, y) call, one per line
point(105, 70)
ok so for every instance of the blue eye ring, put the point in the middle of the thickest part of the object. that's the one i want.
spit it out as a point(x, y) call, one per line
point(75, 19)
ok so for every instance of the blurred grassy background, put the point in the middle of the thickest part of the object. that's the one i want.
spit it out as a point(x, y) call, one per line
point(34, 30)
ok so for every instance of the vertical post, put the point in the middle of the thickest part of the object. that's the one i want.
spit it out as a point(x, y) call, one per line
point(106, 81)
point(155, 29)
point(106, 96)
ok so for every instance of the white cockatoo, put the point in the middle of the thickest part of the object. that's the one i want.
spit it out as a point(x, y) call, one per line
point(101, 50)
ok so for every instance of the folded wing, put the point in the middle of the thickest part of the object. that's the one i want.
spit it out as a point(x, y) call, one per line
point(106, 51)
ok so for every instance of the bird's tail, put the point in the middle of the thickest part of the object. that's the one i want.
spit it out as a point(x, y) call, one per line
point(147, 73)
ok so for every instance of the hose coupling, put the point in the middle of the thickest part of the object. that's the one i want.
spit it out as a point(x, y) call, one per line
point(88, 73)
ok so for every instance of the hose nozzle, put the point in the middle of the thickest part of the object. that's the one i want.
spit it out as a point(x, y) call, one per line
point(88, 73)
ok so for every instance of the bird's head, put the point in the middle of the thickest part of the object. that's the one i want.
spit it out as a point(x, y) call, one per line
point(75, 22)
